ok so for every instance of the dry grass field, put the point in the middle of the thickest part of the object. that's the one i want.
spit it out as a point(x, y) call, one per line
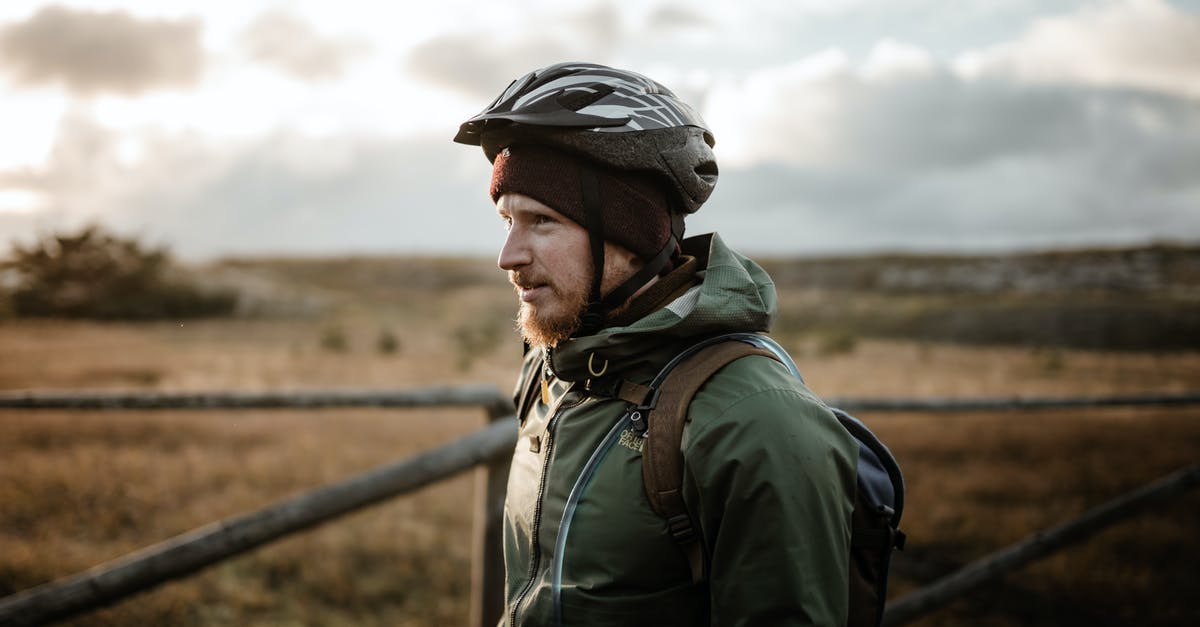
point(80, 488)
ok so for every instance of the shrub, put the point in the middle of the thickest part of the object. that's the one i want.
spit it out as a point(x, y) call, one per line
point(93, 274)
point(476, 340)
point(836, 341)
point(387, 343)
point(333, 339)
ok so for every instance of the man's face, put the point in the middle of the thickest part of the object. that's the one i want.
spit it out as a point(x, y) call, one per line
point(548, 260)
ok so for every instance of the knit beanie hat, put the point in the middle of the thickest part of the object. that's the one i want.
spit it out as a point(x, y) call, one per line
point(635, 207)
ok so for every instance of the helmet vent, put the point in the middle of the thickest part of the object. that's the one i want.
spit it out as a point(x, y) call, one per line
point(577, 98)
point(707, 169)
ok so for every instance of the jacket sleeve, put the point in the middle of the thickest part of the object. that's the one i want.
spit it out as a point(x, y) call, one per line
point(769, 478)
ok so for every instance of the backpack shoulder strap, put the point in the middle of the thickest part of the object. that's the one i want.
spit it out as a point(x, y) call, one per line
point(662, 459)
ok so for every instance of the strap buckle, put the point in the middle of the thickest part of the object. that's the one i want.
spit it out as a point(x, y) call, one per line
point(680, 528)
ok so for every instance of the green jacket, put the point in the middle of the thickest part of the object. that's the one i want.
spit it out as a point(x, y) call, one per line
point(769, 477)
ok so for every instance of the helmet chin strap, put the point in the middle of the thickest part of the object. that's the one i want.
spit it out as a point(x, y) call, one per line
point(593, 317)
point(598, 307)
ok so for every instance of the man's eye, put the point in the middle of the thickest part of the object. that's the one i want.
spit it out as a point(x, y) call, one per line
point(542, 219)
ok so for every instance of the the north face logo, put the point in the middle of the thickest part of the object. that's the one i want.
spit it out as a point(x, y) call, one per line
point(632, 440)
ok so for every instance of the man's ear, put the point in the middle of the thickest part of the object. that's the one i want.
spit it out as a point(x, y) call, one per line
point(623, 256)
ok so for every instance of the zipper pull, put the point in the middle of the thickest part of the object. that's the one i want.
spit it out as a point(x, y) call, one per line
point(546, 373)
point(638, 421)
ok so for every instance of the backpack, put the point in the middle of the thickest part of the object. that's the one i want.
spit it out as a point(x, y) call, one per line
point(879, 498)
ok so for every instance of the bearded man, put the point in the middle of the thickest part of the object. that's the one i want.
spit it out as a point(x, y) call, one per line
point(594, 172)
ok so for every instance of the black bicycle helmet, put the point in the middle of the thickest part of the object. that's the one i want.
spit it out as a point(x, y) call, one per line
point(619, 120)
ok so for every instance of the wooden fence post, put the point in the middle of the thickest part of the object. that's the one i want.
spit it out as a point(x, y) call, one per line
point(487, 566)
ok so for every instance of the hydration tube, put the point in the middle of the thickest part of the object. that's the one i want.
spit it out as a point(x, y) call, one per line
point(564, 527)
point(598, 455)
point(765, 342)
point(754, 339)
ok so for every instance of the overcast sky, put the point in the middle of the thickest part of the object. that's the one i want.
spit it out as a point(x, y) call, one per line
point(222, 128)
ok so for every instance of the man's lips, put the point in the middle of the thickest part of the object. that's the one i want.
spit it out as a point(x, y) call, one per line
point(528, 292)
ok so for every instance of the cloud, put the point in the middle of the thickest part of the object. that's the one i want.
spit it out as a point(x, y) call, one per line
point(479, 69)
point(952, 168)
point(599, 26)
point(1019, 203)
point(275, 194)
point(908, 153)
point(890, 59)
point(87, 176)
point(481, 64)
point(293, 46)
point(844, 149)
point(1142, 44)
point(353, 195)
point(95, 52)
point(675, 16)
point(911, 113)
point(789, 112)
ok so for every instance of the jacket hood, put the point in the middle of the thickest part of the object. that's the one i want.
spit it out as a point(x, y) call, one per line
point(736, 294)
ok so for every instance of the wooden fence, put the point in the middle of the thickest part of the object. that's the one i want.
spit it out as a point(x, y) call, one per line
point(489, 450)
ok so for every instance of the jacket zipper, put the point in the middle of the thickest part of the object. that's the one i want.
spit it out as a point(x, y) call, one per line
point(564, 526)
point(537, 509)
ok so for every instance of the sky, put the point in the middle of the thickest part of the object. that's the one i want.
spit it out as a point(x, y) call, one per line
point(842, 126)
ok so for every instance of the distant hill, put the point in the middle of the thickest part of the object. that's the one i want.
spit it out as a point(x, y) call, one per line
point(1126, 270)
point(1114, 299)
point(1119, 270)
point(1110, 299)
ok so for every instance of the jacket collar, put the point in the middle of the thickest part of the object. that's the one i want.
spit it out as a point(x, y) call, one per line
point(728, 292)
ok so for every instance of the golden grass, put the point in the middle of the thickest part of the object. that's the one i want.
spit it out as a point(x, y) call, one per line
point(79, 488)
point(980, 482)
point(83, 487)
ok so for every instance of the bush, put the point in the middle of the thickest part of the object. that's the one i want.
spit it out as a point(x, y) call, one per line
point(836, 341)
point(334, 340)
point(94, 274)
point(476, 340)
point(387, 343)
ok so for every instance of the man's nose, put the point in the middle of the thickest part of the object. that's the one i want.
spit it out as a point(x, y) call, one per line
point(515, 252)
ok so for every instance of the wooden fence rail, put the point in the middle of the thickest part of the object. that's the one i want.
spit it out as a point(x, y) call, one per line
point(931, 597)
point(1011, 403)
point(488, 396)
point(462, 396)
point(192, 551)
point(488, 448)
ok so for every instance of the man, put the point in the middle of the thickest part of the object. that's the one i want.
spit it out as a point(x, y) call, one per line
point(594, 170)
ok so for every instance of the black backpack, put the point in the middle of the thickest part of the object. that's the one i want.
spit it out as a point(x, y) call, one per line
point(878, 503)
